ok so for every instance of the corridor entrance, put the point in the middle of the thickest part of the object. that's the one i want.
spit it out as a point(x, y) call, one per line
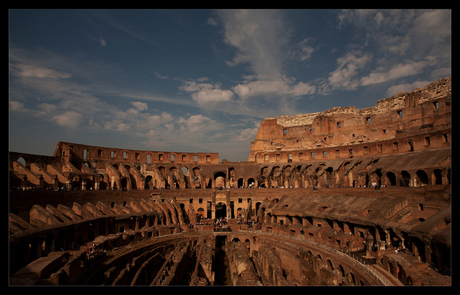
point(221, 210)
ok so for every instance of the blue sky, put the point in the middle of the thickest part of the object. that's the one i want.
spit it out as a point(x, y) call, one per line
point(203, 80)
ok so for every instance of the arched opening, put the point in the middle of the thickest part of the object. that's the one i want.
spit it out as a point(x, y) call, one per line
point(102, 183)
point(23, 161)
point(251, 182)
point(148, 182)
point(437, 176)
point(184, 170)
point(328, 179)
point(219, 178)
point(221, 210)
point(422, 177)
point(238, 212)
point(200, 214)
point(391, 179)
point(236, 240)
point(405, 178)
point(124, 183)
point(240, 182)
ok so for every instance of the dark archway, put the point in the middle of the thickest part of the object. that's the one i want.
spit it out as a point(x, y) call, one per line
point(391, 178)
point(422, 176)
point(405, 178)
point(221, 210)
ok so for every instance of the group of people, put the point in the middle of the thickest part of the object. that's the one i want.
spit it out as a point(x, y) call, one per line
point(95, 253)
point(400, 250)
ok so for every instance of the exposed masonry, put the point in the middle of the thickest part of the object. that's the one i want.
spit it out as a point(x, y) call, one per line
point(320, 196)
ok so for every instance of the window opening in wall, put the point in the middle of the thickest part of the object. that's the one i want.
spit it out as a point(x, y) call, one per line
point(354, 135)
point(298, 141)
point(190, 201)
point(184, 158)
point(148, 159)
point(445, 137)
point(411, 146)
point(195, 158)
point(365, 149)
point(99, 153)
point(255, 157)
point(324, 154)
point(312, 155)
point(300, 155)
point(339, 124)
point(112, 154)
point(266, 158)
point(400, 114)
point(337, 153)
point(240, 200)
point(289, 156)
point(172, 158)
point(350, 151)
point(436, 105)
point(312, 130)
point(208, 159)
point(384, 131)
point(136, 156)
point(200, 200)
point(325, 139)
point(278, 157)
point(125, 155)
point(285, 131)
point(368, 119)
point(395, 145)
point(427, 140)
point(420, 207)
point(85, 154)
point(380, 147)
point(160, 157)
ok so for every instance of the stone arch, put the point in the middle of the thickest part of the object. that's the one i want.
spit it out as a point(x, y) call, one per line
point(391, 179)
point(220, 179)
point(437, 176)
point(405, 178)
point(422, 176)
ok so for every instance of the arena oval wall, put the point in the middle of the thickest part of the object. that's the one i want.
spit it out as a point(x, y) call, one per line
point(355, 196)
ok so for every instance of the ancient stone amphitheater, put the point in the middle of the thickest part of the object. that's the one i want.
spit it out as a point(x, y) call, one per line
point(340, 197)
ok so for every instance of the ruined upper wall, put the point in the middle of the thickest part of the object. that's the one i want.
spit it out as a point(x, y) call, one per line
point(431, 91)
point(416, 120)
point(88, 152)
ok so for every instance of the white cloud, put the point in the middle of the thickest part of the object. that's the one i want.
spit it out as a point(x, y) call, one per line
point(248, 133)
point(68, 119)
point(140, 106)
point(197, 123)
point(305, 50)
point(258, 36)
point(16, 106)
point(212, 22)
point(348, 66)
point(102, 42)
point(400, 70)
point(205, 93)
point(33, 71)
point(155, 120)
point(277, 87)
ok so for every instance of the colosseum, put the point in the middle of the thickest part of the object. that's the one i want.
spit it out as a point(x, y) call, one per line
point(341, 197)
